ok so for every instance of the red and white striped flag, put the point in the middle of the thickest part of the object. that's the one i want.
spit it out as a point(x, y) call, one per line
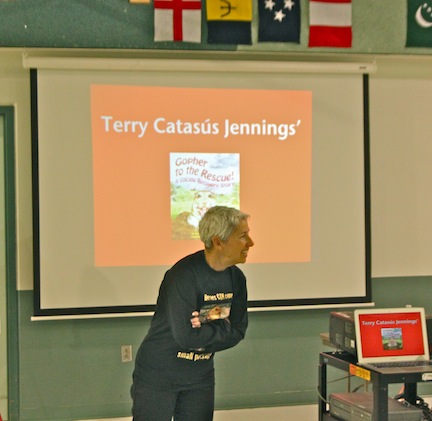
point(177, 20)
point(330, 23)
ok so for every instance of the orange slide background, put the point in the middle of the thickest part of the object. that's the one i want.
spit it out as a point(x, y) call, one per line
point(132, 175)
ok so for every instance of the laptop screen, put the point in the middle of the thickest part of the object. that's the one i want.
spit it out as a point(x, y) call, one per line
point(385, 335)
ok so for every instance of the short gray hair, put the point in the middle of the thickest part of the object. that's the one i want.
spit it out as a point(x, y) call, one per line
point(219, 221)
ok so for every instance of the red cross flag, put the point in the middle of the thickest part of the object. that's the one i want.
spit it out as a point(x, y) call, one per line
point(177, 20)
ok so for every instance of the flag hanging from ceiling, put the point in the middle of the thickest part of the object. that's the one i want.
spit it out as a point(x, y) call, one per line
point(177, 20)
point(229, 21)
point(419, 23)
point(330, 23)
point(279, 20)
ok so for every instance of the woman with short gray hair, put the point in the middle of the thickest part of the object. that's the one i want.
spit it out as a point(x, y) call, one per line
point(201, 309)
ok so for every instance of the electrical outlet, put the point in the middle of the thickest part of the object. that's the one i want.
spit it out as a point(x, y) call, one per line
point(126, 353)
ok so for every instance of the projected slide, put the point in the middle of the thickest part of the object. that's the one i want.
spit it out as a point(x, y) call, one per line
point(128, 161)
point(163, 155)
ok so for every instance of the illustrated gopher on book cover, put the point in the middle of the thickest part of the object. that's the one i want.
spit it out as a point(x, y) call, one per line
point(200, 181)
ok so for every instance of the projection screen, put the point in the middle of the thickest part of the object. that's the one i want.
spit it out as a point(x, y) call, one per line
point(128, 154)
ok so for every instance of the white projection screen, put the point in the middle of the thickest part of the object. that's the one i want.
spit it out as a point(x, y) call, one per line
point(128, 153)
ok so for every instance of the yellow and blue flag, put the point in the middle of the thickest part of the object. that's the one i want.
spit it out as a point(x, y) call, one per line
point(229, 21)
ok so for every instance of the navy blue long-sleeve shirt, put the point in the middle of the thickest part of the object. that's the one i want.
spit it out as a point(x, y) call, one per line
point(173, 354)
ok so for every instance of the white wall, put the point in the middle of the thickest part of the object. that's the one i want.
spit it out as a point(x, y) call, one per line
point(15, 90)
point(401, 167)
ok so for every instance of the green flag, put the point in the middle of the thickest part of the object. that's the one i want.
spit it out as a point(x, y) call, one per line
point(419, 23)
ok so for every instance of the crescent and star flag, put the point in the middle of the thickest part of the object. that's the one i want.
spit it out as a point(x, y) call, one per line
point(419, 23)
point(330, 23)
point(279, 20)
point(177, 20)
point(229, 21)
